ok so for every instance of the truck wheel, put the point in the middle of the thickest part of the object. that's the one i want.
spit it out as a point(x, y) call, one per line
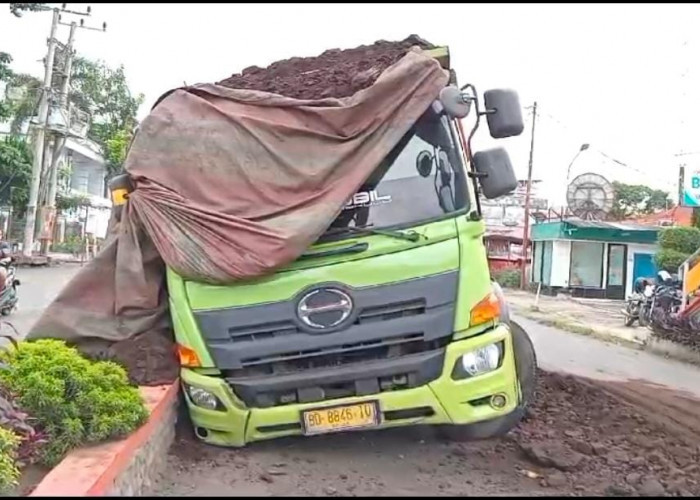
point(526, 370)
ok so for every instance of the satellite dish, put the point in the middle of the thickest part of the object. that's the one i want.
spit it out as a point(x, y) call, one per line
point(590, 196)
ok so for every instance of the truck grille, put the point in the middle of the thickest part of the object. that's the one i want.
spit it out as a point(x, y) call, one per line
point(271, 358)
point(278, 329)
point(336, 356)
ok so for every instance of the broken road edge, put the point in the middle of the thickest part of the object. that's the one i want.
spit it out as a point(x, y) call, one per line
point(125, 467)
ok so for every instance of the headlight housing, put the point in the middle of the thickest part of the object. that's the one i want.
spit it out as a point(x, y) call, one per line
point(482, 360)
point(203, 398)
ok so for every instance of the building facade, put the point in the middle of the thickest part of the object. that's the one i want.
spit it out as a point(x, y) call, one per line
point(505, 224)
point(85, 175)
point(590, 258)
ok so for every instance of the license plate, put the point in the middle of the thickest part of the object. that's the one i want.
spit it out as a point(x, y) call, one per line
point(340, 418)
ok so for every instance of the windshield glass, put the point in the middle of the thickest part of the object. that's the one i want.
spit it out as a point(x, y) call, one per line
point(421, 179)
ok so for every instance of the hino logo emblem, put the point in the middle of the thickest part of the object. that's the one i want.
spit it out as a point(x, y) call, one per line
point(324, 308)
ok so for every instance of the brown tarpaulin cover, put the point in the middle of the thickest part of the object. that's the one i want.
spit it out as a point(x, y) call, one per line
point(230, 184)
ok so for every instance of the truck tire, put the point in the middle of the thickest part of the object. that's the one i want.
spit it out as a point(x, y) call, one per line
point(526, 370)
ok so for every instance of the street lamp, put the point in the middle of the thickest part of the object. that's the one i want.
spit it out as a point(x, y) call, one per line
point(568, 170)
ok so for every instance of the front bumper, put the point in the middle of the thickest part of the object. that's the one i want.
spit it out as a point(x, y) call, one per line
point(442, 401)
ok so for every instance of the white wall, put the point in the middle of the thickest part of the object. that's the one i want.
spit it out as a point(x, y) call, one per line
point(561, 259)
point(561, 262)
point(97, 222)
point(633, 248)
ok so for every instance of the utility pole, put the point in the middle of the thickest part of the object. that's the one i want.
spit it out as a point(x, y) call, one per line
point(39, 141)
point(526, 229)
point(42, 125)
point(49, 211)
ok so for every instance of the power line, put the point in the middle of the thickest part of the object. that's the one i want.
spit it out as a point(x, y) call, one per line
point(618, 162)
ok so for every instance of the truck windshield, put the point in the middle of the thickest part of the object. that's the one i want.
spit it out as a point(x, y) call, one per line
point(421, 179)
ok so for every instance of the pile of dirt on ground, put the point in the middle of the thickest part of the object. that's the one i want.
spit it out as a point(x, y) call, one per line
point(580, 437)
point(690, 340)
point(335, 73)
point(584, 435)
point(149, 358)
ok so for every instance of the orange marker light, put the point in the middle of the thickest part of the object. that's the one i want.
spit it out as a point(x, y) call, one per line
point(488, 309)
point(188, 357)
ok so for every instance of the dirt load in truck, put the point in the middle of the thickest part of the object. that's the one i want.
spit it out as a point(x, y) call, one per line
point(311, 234)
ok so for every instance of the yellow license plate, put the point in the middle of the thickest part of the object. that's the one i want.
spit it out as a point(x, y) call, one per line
point(340, 418)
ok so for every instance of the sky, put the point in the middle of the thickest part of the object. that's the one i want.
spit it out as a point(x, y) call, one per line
point(620, 77)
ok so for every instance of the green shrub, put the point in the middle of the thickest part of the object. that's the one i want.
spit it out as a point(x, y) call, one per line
point(23, 426)
point(9, 472)
point(507, 278)
point(669, 259)
point(75, 401)
point(681, 239)
point(73, 244)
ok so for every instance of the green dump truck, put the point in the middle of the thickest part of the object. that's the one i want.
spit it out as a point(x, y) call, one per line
point(389, 319)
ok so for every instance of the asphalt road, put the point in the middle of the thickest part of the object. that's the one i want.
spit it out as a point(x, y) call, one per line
point(590, 357)
point(38, 287)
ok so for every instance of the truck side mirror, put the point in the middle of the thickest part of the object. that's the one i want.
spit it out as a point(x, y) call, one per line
point(495, 172)
point(503, 113)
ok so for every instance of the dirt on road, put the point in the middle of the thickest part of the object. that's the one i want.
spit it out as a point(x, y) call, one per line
point(580, 437)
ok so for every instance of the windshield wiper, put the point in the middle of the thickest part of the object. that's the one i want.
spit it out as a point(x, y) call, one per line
point(408, 235)
point(356, 248)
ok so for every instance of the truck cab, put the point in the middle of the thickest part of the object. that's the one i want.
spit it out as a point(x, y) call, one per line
point(390, 318)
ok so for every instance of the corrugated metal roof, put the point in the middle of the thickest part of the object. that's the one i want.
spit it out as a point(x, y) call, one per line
point(626, 226)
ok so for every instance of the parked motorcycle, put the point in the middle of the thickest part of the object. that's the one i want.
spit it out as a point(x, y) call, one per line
point(8, 294)
point(666, 301)
point(638, 304)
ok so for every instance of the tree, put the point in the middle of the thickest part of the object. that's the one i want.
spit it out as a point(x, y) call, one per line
point(16, 9)
point(15, 154)
point(96, 89)
point(636, 199)
point(104, 92)
point(15, 173)
point(676, 244)
point(5, 76)
point(116, 148)
point(24, 108)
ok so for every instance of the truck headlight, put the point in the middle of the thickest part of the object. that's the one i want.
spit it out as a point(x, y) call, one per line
point(479, 361)
point(203, 398)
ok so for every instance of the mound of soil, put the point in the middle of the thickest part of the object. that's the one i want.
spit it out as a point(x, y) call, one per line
point(690, 340)
point(149, 358)
point(584, 435)
point(335, 73)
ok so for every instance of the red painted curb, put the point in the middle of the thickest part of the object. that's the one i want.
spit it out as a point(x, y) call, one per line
point(92, 471)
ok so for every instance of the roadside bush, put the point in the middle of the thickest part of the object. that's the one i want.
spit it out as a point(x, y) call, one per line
point(507, 278)
point(682, 239)
point(75, 401)
point(73, 244)
point(9, 472)
point(669, 259)
point(23, 426)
